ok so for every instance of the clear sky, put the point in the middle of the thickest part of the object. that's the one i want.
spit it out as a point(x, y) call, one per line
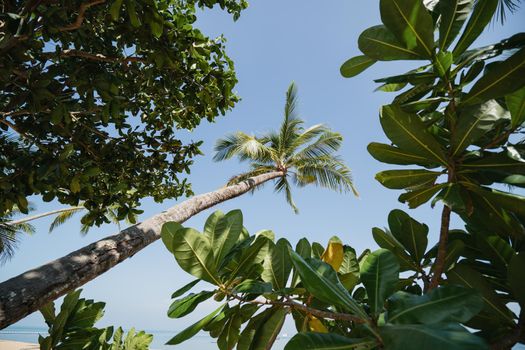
point(273, 43)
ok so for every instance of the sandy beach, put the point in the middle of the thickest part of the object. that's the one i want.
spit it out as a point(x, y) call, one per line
point(16, 345)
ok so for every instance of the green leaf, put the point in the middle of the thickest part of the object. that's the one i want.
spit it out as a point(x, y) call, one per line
point(278, 265)
point(251, 256)
point(230, 333)
point(267, 333)
point(441, 305)
point(132, 13)
point(48, 312)
point(447, 336)
point(379, 274)
point(327, 341)
point(156, 26)
point(483, 11)
point(454, 13)
point(442, 63)
point(411, 233)
point(515, 277)
point(474, 122)
point(380, 44)
point(356, 65)
point(226, 233)
point(321, 281)
point(498, 250)
point(494, 305)
point(391, 87)
point(421, 196)
point(387, 241)
point(304, 249)
point(248, 334)
point(411, 23)
point(193, 329)
point(407, 131)
point(511, 202)
point(516, 105)
point(167, 233)
point(181, 307)
point(393, 155)
point(401, 179)
point(184, 289)
point(250, 286)
point(502, 79)
point(114, 9)
point(194, 254)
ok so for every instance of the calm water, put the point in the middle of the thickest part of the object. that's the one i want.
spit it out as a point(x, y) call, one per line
point(199, 342)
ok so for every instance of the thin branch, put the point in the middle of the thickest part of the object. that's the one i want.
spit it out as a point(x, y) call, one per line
point(81, 14)
point(94, 57)
point(38, 216)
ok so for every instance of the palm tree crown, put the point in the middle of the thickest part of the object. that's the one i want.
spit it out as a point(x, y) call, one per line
point(304, 155)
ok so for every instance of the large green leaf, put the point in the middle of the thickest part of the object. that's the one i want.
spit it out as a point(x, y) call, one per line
point(247, 336)
point(393, 155)
point(379, 43)
point(453, 14)
point(186, 305)
point(379, 274)
point(194, 254)
point(385, 240)
point(441, 305)
point(502, 79)
point(446, 336)
point(418, 197)
point(321, 281)
point(411, 23)
point(253, 255)
point(278, 265)
point(356, 65)
point(327, 341)
point(511, 202)
point(401, 179)
point(496, 248)
point(483, 11)
point(304, 249)
point(516, 105)
point(167, 233)
point(250, 286)
point(184, 288)
point(515, 277)
point(267, 333)
point(194, 328)
point(474, 122)
point(223, 233)
point(230, 333)
point(411, 233)
point(494, 305)
point(408, 132)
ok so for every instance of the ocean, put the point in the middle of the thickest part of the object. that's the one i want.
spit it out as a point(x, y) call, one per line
point(200, 341)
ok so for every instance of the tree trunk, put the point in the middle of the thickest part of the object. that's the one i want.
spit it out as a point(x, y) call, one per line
point(38, 216)
point(28, 292)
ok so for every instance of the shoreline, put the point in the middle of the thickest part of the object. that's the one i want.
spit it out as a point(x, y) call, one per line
point(16, 345)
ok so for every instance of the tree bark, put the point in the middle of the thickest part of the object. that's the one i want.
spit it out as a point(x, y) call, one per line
point(28, 292)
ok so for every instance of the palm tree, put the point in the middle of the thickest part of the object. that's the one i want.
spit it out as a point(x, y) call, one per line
point(9, 234)
point(307, 155)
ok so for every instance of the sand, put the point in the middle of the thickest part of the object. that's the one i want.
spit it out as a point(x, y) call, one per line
point(16, 345)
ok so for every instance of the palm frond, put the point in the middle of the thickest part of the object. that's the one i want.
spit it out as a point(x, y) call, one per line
point(244, 146)
point(325, 145)
point(507, 5)
point(8, 242)
point(282, 185)
point(309, 134)
point(62, 217)
point(291, 125)
point(290, 106)
point(325, 171)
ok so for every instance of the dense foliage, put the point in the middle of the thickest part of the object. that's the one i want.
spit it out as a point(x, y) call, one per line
point(73, 328)
point(92, 94)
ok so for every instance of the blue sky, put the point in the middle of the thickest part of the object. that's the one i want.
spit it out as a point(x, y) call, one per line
point(273, 43)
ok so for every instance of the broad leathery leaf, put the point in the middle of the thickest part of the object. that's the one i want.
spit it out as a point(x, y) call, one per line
point(211, 223)
point(304, 249)
point(86, 314)
point(393, 155)
point(411, 24)
point(167, 233)
point(401, 179)
point(267, 333)
point(454, 13)
point(515, 277)
point(350, 263)
point(250, 286)
point(194, 328)
point(321, 281)
point(248, 334)
point(114, 9)
point(315, 325)
point(408, 132)
point(511, 202)
point(356, 65)
point(226, 233)
point(483, 11)
point(445, 304)
point(317, 250)
point(494, 162)
point(502, 79)
point(379, 43)
point(498, 250)
point(182, 307)
point(379, 274)
point(494, 305)
point(68, 305)
point(443, 62)
point(278, 265)
point(445, 336)
point(230, 333)
point(409, 232)
point(391, 87)
point(328, 341)
point(419, 197)
point(253, 255)
point(333, 255)
point(194, 254)
point(387, 241)
point(184, 289)
point(474, 122)
point(48, 312)
point(516, 105)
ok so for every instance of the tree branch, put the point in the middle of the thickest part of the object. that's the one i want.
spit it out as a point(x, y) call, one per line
point(94, 57)
point(81, 14)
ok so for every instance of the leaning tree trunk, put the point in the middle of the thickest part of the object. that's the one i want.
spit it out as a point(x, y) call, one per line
point(28, 292)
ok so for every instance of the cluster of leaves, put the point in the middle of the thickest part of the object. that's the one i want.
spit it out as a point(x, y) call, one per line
point(459, 118)
point(73, 328)
point(93, 92)
point(337, 299)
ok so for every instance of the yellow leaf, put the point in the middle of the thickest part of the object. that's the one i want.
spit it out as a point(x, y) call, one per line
point(315, 325)
point(334, 253)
